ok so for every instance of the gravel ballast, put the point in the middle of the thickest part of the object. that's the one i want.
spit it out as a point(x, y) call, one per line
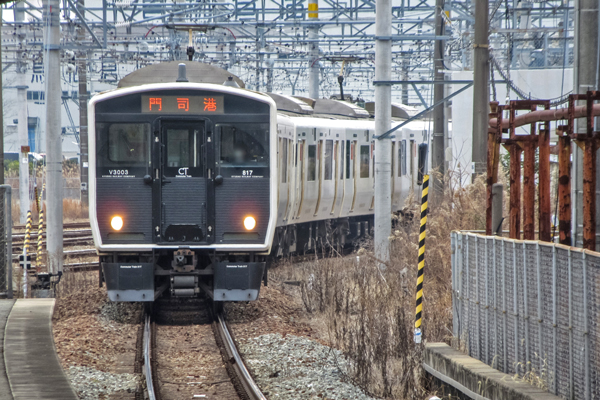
point(294, 367)
point(92, 384)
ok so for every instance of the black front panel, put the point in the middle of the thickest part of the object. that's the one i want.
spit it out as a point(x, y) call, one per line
point(129, 198)
point(158, 154)
point(184, 207)
point(236, 199)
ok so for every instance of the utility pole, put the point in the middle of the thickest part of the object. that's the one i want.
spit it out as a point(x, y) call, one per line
point(439, 118)
point(481, 97)
point(22, 126)
point(585, 77)
point(313, 54)
point(383, 118)
point(1, 111)
point(54, 202)
point(83, 121)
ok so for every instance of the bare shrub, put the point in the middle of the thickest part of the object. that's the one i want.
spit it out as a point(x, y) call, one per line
point(370, 312)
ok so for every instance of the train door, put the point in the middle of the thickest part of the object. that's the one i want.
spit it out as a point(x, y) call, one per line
point(290, 176)
point(355, 171)
point(336, 173)
point(320, 150)
point(283, 194)
point(300, 176)
point(183, 183)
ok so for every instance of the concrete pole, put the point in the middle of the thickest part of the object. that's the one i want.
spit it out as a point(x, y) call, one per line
point(83, 99)
point(1, 111)
point(439, 119)
point(585, 73)
point(383, 117)
point(53, 140)
point(22, 126)
point(481, 97)
point(313, 54)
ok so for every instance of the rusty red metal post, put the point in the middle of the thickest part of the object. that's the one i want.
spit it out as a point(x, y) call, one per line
point(515, 191)
point(529, 188)
point(564, 188)
point(492, 163)
point(544, 216)
point(589, 194)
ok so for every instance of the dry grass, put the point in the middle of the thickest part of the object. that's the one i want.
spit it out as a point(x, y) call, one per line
point(370, 313)
point(72, 211)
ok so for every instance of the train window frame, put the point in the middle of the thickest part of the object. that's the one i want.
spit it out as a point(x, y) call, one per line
point(246, 163)
point(311, 165)
point(348, 159)
point(283, 144)
point(328, 160)
point(340, 156)
point(364, 157)
point(402, 158)
point(105, 157)
point(193, 154)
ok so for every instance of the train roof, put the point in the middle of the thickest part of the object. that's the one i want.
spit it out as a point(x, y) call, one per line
point(167, 72)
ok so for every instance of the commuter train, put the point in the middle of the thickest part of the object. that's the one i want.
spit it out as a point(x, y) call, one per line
point(194, 186)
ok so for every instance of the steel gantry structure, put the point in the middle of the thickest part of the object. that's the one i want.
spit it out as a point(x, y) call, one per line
point(267, 43)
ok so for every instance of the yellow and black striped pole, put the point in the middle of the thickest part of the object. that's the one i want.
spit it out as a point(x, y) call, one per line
point(37, 199)
point(27, 232)
point(38, 254)
point(419, 314)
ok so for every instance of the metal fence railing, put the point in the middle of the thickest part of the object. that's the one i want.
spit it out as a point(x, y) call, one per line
point(529, 307)
point(6, 289)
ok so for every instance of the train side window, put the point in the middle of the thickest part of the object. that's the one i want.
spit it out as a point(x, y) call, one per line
point(348, 160)
point(283, 158)
point(373, 158)
point(311, 174)
point(328, 159)
point(244, 145)
point(126, 144)
point(364, 160)
point(402, 158)
point(340, 156)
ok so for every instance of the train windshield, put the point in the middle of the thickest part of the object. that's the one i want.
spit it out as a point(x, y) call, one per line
point(123, 144)
point(244, 145)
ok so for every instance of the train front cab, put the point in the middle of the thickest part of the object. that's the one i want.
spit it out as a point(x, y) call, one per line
point(182, 201)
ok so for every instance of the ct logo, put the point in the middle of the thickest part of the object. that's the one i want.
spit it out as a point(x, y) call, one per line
point(183, 171)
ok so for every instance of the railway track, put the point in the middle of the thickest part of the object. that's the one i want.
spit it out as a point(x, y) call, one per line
point(68, 225)
point(240, 378)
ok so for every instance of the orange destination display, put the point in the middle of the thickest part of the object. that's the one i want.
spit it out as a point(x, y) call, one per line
point(183, 104)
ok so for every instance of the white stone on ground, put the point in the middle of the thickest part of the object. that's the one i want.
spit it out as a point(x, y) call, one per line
point(90, 384)
point(294, 367)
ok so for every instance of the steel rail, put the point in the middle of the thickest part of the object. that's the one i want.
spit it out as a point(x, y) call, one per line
point(237, 364)
point(147, 358)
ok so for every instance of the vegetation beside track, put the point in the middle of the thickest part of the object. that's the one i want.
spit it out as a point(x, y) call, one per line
point(370, 312)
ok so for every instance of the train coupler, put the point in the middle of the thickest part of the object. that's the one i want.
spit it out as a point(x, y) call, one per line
point(184, 260)
point(184, 285)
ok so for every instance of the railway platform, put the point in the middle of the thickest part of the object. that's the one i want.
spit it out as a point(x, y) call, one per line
point(30, 368)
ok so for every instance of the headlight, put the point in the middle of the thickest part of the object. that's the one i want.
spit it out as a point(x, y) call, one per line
point(249, 223)
point(116, 223)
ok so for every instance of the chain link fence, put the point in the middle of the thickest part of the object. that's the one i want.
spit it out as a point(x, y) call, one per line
point(6, 289)
point(529, 308)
